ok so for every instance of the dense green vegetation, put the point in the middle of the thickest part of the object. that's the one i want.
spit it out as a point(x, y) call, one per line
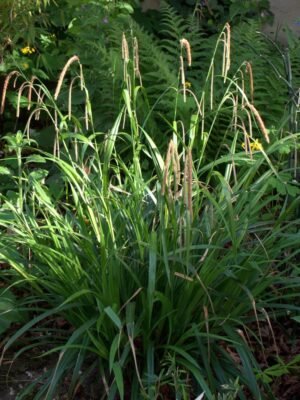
point(149, 199)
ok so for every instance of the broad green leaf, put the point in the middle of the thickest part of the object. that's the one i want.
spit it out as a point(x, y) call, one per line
point(35, 158)
point(119, 379)
point(113, 316)
point(4, 171)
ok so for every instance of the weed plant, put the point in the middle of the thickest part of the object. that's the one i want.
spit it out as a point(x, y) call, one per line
point(165, 264)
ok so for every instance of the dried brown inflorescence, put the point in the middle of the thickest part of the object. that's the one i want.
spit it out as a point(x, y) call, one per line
point(250, 72)
point(125, 49)
point(228, 46)
point(186, 44)
point(70, 96)
point(182, 74)
point(188, 177)
point(166, 168)
point(125, 58)
point(259, 121)
point(33, 78)
point(20, 92)
point(63, 73)
point(136, 58)
point(172, 157)
point(5, 86)
point(226, 51)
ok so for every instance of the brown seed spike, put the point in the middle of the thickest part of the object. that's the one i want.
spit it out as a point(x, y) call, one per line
point(186, 44)
point(259, 121)
point(22, 87)
point(166, 168)
point(63, 73)
point(183, 78)
point(70, 96)
point(250, 72)
point(5, 86)
point(33, 78)
point(125, 49)
point(176, 167)
point(228, 44)
point(188, 172)
point(137, 60)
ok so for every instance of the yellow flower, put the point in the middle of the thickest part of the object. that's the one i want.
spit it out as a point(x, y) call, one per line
point(254, 146)
point(187, 84)
point(25, 65)
point(24, 50)
point(27, 50)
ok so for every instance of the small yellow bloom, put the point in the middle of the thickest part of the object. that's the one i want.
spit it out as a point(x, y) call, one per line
point(188, 84)
point(254, 146)
point(25, 65)
point(27, 50)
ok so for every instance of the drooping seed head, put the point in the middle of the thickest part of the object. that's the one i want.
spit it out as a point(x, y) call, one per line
point(228, 46)
point(63, 73)
point(182, 74)
point(5, 86)
point(136, 58)
point(22, 87)
point(33, 78)
point(250, 72)
point(259, 121)
point(186, 44)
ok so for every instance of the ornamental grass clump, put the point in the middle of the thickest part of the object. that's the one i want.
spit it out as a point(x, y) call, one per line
point(165, 274)
point(158, 290)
